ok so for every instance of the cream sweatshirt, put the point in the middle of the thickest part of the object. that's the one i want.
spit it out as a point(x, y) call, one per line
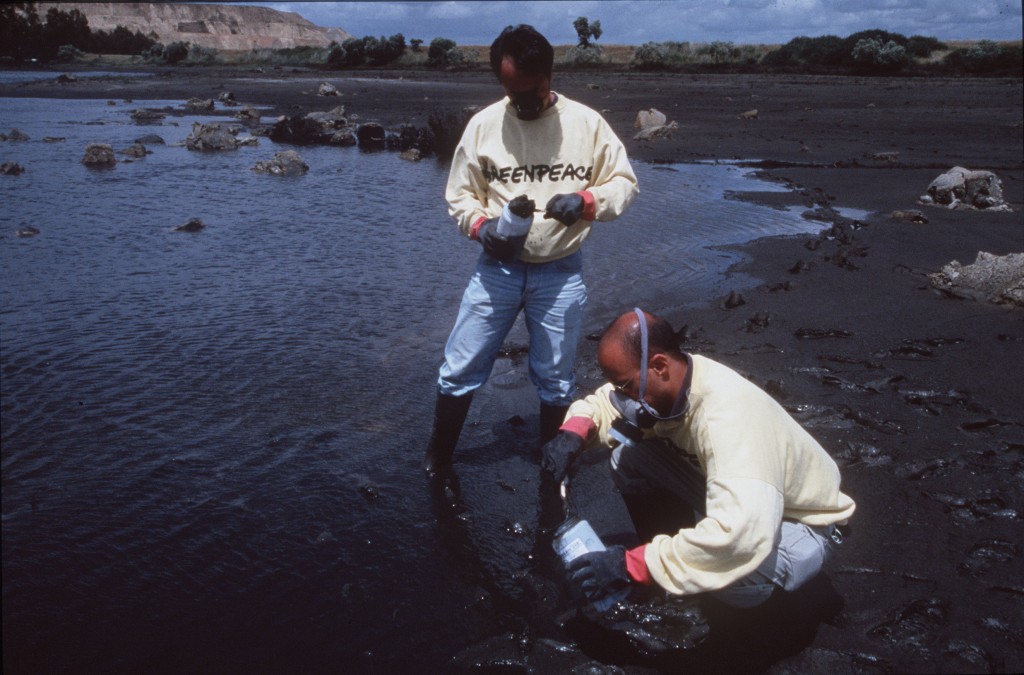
point(761, 466)
point(570, 148)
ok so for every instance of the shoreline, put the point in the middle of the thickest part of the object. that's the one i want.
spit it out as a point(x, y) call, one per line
point(916, 394)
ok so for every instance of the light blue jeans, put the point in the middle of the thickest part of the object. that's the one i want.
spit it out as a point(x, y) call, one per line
point(551, 296)
point(800, 550)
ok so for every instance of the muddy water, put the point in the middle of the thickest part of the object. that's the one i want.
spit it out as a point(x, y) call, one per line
point(211, 441)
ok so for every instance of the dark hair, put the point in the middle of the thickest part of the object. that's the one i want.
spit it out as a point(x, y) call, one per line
point(530, 51)
point(661, 339)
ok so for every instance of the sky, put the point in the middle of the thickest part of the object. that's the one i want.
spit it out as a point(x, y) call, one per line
point(637, 21)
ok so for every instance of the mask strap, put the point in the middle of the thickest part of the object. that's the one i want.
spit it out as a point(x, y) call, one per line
point(643, 351)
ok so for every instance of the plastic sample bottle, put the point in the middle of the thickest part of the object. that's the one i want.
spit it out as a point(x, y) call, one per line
point(575, 537)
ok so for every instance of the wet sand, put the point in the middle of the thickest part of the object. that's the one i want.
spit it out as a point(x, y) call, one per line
point(917, 395)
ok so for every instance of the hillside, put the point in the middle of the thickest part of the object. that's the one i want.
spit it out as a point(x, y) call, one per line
point(223, 27)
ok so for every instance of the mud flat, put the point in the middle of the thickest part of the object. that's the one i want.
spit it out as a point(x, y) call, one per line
point(917, 394)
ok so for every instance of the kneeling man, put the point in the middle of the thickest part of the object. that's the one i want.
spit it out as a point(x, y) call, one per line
point(765, 496)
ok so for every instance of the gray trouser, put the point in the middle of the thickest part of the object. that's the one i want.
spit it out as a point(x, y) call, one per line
point(798, 555)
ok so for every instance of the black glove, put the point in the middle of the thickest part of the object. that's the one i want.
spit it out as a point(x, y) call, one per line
point(558, 453)
point(495, 245)
point(600, 574)
point(565, 208)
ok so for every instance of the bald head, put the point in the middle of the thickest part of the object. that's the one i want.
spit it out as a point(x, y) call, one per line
point(622, 338)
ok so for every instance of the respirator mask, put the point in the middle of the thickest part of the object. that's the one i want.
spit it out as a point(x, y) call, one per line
point(638, 412)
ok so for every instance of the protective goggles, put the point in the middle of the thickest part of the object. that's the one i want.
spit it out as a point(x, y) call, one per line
point(639, 412)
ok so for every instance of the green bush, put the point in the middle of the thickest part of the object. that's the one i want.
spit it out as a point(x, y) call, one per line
point(175, 52)
point(872, 56)
point(987, 58)
point(66, 53)
point(661, 56)
point(437, 52)
point(200, 54)
point(583, 57)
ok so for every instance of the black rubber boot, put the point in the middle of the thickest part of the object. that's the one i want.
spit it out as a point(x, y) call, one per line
point(551, 418)
point(449, 416)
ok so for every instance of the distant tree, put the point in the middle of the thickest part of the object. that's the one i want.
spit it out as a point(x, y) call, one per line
point(20, 31)
point(120, 41)
point(63, 28)
point(437, 52)
point(415, 44)
point(586, 30)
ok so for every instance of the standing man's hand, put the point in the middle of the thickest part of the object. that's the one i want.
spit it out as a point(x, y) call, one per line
point(495, 245)
point(565, 208)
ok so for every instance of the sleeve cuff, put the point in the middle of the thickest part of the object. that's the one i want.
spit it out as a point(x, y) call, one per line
point(636, 566)
point(589, 205)
point(474, 230)
point(581, 426)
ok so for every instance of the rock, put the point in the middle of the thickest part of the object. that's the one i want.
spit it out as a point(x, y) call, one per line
point(53, 139)
point(342, 138)
point(16, 135)
point(247, 114)
point(11, 169)
point(191, 225)
point(313, 129)
point(963, 188)
point(991, 278)
point(27, 232)
point(210, 137)
point(327, 89)
point(286, 163)
point(411, 155)
point(653, 124)
point(227, 98)
point(371, 135)
point(199, 105)
point(144, 116)
point(647, 119)
point(135, 150)
point(99, 154)
point(910, 216)
point(150, 139)
point(651, 133)
point(112, 103)
point(65, 78)
point(891, 157)
point(245, 141)
point(748, 115)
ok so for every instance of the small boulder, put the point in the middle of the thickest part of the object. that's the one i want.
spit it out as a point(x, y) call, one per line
point(371, 135)
point(961, 188)
point(227, 98)
point(342, 138)
point(99, 155)
point(27, 231)
point(53, 139)
point(191, 225)
point(411, 155)
point(653, 124)
point(247, 114)
point(144, 116)
point(910, 216)
point(66, 78)
point(992, 278)
point(327, 89)
point(150, 139)
point(199, 105)
point(16, 135)
point(285, 163)
point(748, 114)
point(210, 138)
point(11, 169)
point(135, 150)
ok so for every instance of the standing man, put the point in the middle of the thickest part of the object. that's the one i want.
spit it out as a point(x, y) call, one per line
point(540, 145)
point(743, 501)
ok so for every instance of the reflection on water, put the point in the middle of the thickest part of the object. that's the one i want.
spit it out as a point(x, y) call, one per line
point(213, 440)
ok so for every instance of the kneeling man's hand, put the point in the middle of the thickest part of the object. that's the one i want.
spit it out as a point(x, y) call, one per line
point(600, 574)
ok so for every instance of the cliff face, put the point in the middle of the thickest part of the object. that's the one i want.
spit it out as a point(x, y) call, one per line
point(229, 27)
